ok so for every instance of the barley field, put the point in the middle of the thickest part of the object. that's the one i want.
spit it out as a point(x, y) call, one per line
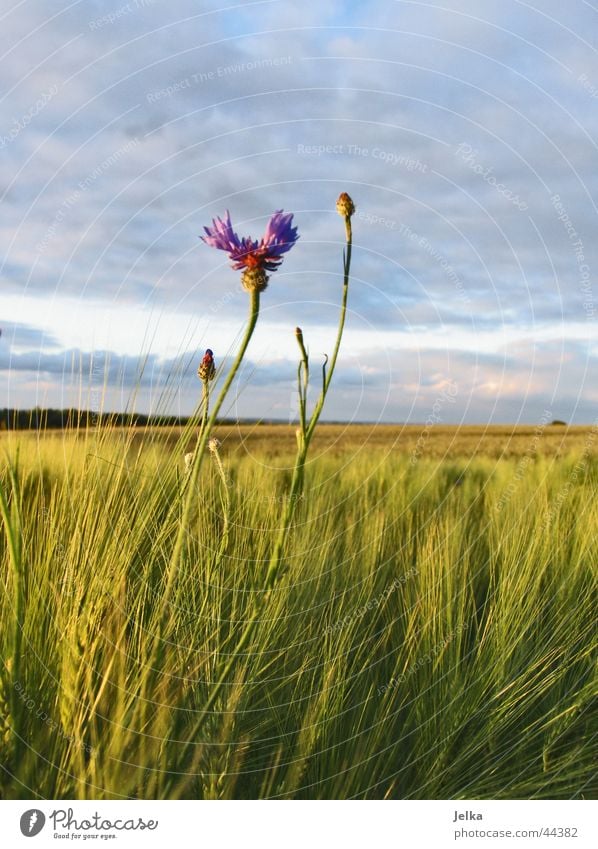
point(432, 633)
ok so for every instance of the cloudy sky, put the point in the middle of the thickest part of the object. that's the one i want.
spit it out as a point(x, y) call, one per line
point(465, 130)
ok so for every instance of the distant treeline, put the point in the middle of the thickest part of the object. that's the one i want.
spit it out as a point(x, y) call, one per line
point(38, 419)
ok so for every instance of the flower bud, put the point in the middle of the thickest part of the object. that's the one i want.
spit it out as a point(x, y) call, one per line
point(207, 369)
point(344, 205)
point(254, 279)
point(299, 334)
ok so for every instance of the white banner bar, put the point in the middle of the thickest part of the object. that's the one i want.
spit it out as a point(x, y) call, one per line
point(311, 824)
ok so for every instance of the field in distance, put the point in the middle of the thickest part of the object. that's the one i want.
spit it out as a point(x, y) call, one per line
point(421, 440)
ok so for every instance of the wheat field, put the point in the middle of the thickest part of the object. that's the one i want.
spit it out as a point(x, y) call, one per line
point(432, 634)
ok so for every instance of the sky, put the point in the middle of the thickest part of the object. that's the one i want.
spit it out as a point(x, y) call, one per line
point(465, 132)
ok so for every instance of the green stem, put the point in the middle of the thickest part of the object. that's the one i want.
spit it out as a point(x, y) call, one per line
point(341, 326)
point(178, 548)
point(302, 382)
point(303, 448)
point(225, 501)
point(215, 691)
point(206, 406)
point(11, 516)
point(296, 488)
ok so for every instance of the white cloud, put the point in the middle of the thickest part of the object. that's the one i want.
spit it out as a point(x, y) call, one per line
point(213, 106)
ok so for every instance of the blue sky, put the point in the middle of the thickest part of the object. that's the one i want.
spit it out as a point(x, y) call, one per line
point(465, 132)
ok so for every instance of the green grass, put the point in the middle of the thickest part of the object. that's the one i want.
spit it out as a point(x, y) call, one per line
point(432, 635)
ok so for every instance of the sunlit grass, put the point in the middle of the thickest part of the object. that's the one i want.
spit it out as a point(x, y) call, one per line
point(432, 634)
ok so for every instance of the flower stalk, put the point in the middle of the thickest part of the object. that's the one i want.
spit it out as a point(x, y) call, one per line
point(207, 426)
point(206, 373)
point(346, 208)
point(255, 258)
point(10, 512)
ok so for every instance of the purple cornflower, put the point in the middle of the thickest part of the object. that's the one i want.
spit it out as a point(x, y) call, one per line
point(247, 253)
